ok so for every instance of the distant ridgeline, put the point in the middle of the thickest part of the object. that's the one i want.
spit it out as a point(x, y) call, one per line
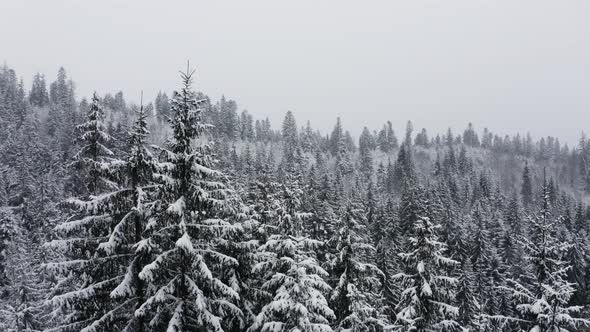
point(185, 214)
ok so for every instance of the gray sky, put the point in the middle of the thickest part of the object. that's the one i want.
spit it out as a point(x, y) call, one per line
point(510, 65)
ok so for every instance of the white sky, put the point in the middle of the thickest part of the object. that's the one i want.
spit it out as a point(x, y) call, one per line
point(510, 65)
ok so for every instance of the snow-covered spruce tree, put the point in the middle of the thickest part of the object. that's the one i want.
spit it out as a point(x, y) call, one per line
point(526, 190)
point(19, 294)
point(413, 204)
point(425, 303)
point(290, 137)
point(90, 272)
point(576, 275)
point(262, 202)
point(480, 251)
point(403, 173)
point(132, 206)
point(22, 282)
point(385, 238)
point(291, 275)
point(465, 298)
point(544, 306)
point(509, 247)
point(7, 230)
point(25, 310)
point(512, 216)
point(366, 147)
point(250, 227)
point(93, 160)
point(187, 293)
point(319, 225)
point(344, 165)
point(356, 298)
point(240, 242)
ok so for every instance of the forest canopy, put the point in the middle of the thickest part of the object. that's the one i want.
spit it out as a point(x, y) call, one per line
point(187, 214)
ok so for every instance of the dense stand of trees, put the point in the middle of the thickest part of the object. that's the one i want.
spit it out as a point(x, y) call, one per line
point(188, 215)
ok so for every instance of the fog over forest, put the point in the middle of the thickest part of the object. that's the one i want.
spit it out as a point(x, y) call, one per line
point(439, 64)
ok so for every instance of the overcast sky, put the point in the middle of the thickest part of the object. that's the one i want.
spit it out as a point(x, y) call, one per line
point(510, 65)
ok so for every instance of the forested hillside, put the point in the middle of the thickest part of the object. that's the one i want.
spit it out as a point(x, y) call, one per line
point(187, 214)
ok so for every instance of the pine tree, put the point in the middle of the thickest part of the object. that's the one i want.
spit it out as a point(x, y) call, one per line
point(422, 138)
point(413, 205)
point(544, 305)
point(61, 97)
point(89, 269)
point(366, 142)
point(291, 275)
point(28, 284)
point(391, 140)
point(39, 96)
point(385, 236)
point(319, 226)
point(356, 295)
point(246, 126)
point(90, 160)
point(382, 141)
point(465, 299)
point(403, 173)
point(484, 260)
point(290, 138)
point(527, 187)
point(463, 163)
point(228, 118)
point(308, 138)
point(575, 274)
point(344, 164)
point(470, 137)
point(27, 150)
point(425, 303)
point(6, 232)
point(134, 203)
point(512, 216)
point(162, 105)
point(336, 136)
point(241, 241)
point(580, 218)
point(187, 293)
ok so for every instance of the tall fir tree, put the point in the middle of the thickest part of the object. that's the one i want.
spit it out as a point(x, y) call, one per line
point(134, 204)
point(426, 300)
point(89, 270)
point(356, 298)
point(187, 293)
point(366, 143)
point(544, 305)
point(291, 275)
point(526, 190)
